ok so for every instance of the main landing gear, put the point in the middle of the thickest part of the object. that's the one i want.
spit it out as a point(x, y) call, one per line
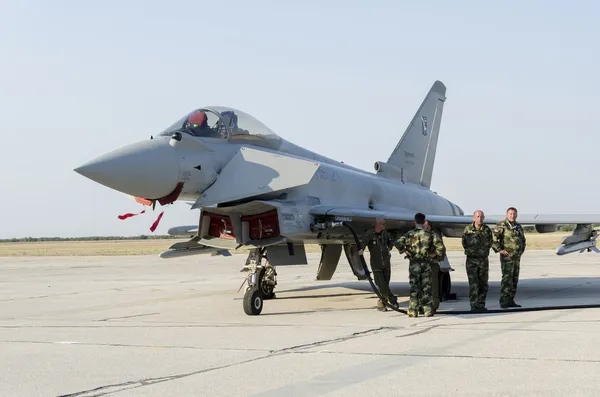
point(261, 279)
point(445, 286)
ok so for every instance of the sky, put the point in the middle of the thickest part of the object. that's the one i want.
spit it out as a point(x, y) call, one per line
point(342, 78)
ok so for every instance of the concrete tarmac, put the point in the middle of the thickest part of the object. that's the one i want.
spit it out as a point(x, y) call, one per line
point(145, 326)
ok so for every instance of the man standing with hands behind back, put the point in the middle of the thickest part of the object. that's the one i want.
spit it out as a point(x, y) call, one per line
point(477, 241)
point(509, 241)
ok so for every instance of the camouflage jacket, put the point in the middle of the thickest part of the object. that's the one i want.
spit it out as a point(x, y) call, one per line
point(421, 245)
point(439, 248)
point(477, 242)
point(510, 238)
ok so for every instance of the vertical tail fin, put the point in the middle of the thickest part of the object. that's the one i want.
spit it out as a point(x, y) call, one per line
point(415, 153)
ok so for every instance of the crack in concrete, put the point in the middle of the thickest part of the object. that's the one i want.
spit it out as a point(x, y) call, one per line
point(419, 332)
point(345, 376)
point(131, 316)
point(105, 390)
point(354, 335)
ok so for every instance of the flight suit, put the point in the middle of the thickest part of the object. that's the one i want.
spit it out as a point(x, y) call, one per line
point(379, 244)
point(510, 237)
point(477, 243)
point(421, 247)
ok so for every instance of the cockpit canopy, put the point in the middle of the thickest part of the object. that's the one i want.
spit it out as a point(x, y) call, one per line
point(221, 122)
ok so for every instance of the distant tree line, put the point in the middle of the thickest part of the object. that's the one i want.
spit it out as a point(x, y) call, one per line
point(92, 238)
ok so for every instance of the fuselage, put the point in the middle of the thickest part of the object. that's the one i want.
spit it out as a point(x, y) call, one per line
point(152, 169)
point(183, 162)
point(340, 184)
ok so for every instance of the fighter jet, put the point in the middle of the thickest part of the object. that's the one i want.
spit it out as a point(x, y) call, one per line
point(255, 189)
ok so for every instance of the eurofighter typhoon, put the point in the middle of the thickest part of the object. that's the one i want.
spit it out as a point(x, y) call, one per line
point(257, 190)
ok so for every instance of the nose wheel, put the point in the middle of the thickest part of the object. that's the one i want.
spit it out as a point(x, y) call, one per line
point(253, 302)
point(261, 279)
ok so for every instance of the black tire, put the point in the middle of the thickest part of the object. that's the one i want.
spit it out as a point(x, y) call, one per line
point(444, 285)
point(253, 302)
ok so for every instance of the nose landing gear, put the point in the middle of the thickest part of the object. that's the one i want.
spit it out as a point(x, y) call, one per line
point(261, 279)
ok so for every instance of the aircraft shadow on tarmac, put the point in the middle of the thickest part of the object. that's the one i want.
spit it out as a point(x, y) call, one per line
point(548, 288)
point(531, 293)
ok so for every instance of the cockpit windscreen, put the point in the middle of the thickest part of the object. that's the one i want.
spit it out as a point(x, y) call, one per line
point(225, 123)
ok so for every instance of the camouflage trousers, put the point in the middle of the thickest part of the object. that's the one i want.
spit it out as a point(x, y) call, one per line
point(381, 275)
point(510, 277)
point(435, 287)
point(478, 273)
point(419, 277)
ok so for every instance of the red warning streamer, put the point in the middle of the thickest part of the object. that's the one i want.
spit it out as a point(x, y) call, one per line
point(129, 215)
point(156, 222)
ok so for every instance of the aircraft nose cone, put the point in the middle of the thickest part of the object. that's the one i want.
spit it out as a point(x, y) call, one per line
point(147, 169)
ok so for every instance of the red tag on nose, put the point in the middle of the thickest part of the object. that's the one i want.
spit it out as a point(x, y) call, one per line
point(129, 215)
point(156, 222)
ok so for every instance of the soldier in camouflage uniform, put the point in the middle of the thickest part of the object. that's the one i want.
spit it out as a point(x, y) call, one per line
point(509, 241)
point(379, 242)
point(435, 271)
point(421, 247)
point(477, 241)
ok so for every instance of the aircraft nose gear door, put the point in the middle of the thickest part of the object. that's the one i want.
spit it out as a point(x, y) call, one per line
point(261, 279)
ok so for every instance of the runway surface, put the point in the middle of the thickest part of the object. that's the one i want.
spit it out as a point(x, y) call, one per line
point(145, 326)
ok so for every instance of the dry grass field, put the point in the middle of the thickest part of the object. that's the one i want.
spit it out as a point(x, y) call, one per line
point(153, 247)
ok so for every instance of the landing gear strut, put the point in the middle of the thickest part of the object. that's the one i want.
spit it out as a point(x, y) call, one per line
point(261, 280)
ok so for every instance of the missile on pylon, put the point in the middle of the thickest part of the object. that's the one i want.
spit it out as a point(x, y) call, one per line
point(183, 230)
point(582, 246)
point(177, 253)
